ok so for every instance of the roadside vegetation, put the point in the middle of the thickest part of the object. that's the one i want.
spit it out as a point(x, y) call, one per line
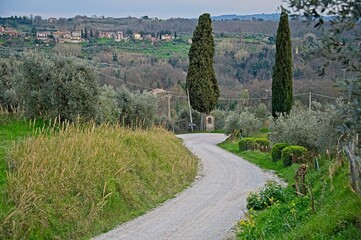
point(305, 150)
point(329, 209)
point(75, 181)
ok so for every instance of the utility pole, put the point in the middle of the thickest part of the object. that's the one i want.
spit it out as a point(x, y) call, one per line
point(310, 101)
point(190, 110)
point(169, 97)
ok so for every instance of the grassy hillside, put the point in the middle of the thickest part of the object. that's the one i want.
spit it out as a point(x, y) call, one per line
point(77, 182)
point(336, 213)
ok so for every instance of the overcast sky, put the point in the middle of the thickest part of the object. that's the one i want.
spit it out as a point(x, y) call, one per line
point(122, 8)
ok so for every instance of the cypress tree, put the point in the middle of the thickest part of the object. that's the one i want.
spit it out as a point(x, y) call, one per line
point(282, 93)
point(201, 80)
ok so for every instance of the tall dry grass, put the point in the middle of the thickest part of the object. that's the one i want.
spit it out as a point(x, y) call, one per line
point(80, 181)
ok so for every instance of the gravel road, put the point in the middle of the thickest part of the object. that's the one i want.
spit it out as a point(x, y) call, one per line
point(208, 209)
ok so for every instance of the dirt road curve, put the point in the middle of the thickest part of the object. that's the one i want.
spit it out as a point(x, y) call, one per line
point(210, 207)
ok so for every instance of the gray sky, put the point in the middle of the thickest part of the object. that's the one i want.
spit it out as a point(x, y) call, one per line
point(119, 8)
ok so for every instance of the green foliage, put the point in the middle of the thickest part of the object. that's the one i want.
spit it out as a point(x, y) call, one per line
point(253, 143)
point(136, 109)
point(88, 179)
point(293, 154)
point(282, 85)
point(220, 117)
point(315, 130)
point(263, 160)
point(242, 125)
point(260, 111)
point(109, 110)
point(337, 207)
point(201, 80)
point(337, 214)
point(245, 144)
point(52, 87)
point(270, 194)
point(263, 142)
point(12, 128)
point(277, 151)
point(249, 123)
point(9, 99)
point(233, 125)
point(345, 51)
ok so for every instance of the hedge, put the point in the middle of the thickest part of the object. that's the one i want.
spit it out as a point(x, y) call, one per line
point(277, 150)
point(292, 154)
point(254, 144)
point(244, 144)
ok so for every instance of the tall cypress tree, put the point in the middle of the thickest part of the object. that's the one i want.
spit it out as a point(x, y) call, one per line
point(201, 80)
point(282, 93)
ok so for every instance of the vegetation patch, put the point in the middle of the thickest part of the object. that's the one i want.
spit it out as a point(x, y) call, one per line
point(328, 210)
point(293, 154)
point(277, 150)
point(253, 144)
point(84, 180)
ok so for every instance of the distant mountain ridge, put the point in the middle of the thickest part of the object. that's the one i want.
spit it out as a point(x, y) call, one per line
point(260, 17)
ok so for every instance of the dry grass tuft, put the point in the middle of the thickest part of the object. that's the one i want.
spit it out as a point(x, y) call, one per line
point(80, 181)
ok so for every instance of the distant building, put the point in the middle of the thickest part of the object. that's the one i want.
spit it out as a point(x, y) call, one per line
point(42, 35)
point(106, 34)
point(76, 36)
point(166, 37)
point(9, 31)
point(157, 91)
point(119, 36)
point(62, 37)
point(137, 36)
point(209, 123)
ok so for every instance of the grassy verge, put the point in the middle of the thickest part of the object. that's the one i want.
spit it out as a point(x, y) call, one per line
point(82, 181)
point(336, 213)
point(264, 160)
point(12, 129)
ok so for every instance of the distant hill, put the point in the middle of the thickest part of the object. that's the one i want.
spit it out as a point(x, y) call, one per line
point(257, 17)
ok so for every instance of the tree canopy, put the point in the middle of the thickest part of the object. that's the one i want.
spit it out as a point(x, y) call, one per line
point(282, 93)
point(201, 80)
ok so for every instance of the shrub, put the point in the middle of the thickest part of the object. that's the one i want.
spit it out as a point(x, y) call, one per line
point(260, 111)
point(220, 117)
point(277, 150)
point(233, 126)
point(136, 109)
point(315, 130)
point(263, 142)
point(245, 143)
point(292, 154)
point(9, 99)
point(108, 107)
point(253, 144)
point(268, 195)
point(244, 124)
point(249, 124)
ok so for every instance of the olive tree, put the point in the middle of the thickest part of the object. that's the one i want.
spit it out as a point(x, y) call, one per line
point(52, 87)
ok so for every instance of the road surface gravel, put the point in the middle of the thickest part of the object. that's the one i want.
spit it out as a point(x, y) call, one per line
point(210, 207)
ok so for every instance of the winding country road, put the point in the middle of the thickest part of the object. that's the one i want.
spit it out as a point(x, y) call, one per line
point(210, 208)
